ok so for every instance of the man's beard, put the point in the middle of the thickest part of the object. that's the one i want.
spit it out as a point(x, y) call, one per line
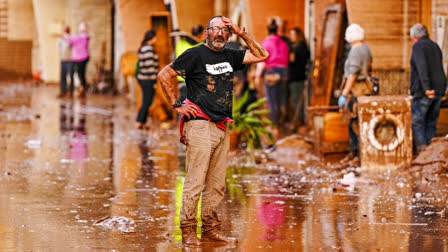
point(218, 43)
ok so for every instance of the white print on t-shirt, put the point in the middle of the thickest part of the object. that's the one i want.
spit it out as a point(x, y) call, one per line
point(219, 68)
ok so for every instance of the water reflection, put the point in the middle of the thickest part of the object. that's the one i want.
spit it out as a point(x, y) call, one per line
point(144, 185)
point(73, 126)
point(271, 213)
point(270, 220)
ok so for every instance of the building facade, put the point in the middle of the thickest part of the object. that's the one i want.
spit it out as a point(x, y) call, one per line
point(30, 28)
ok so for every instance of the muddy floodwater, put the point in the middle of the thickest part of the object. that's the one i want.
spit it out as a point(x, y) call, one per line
point(76, 176)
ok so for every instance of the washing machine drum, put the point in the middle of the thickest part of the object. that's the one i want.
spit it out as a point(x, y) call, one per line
point(385, 132)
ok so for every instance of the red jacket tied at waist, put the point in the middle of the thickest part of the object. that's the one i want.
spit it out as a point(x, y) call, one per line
point(220, 124)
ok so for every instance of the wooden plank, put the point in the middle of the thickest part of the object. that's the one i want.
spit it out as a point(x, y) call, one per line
point(442, 123)
point(327, 72)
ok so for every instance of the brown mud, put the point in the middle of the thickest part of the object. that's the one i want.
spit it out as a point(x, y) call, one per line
point(76, 176)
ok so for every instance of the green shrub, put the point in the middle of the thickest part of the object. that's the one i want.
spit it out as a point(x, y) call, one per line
point(252, 123)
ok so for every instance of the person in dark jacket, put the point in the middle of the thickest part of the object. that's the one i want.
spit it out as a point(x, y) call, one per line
point(428, 84)
point(299, 56)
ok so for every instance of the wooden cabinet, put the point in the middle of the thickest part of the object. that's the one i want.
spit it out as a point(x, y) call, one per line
point(330, 129)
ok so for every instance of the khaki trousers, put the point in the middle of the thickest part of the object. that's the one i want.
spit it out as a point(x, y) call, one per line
point(205, 164)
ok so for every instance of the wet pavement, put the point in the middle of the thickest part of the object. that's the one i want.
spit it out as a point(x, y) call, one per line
point(76, 176)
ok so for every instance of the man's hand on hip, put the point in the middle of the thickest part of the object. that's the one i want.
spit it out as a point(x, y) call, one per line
point(430, 93)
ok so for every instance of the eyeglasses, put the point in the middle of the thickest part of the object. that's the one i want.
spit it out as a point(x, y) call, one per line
point(216, 29)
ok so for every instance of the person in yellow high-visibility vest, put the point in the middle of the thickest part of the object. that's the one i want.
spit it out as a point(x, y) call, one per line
point(185, 42)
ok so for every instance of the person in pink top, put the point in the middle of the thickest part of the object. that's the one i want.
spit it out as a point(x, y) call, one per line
point(274, 72)
point(80, 54)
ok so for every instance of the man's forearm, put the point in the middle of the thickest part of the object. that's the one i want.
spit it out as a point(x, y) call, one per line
point(167, 87)
point(254, 47)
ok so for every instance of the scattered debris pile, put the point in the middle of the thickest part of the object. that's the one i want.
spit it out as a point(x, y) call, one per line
point(433, 160)
point(293, 152)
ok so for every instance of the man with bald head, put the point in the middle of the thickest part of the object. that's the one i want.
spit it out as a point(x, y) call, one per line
point(428, 84)
point(208, 72)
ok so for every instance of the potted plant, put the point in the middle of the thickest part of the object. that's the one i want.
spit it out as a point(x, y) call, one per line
point(249, 123)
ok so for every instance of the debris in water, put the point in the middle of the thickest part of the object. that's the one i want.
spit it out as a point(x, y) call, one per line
point(348, 181)
point(120, 223)
point(66, 161)
point(418, 196)
point(33, 143)
point(442, 213)
point(400, 184)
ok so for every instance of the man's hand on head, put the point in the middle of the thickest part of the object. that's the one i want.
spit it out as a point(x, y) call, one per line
point(232, 27)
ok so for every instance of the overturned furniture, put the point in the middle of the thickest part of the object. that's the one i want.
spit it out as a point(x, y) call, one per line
point(329, 127)
point(385, 131)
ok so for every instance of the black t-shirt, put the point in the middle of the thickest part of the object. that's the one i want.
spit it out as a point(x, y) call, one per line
point(209, 78)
